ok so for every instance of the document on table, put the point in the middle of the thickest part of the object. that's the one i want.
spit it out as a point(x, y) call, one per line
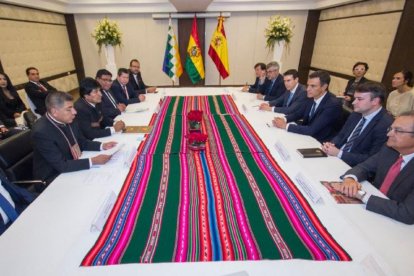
point(308, 189)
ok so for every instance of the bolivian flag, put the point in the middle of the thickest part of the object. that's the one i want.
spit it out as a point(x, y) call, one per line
point(218, 49)
point(194, 61)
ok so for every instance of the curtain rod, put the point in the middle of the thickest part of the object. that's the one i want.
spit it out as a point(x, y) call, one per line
point(157, 16)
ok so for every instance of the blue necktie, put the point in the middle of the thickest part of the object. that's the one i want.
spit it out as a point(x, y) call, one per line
point(269, 89)
point(312, 112)
point(354, 135)
point(289, 99)
point(8, 208)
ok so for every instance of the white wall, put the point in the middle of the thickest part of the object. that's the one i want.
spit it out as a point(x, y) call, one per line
point(145, 38)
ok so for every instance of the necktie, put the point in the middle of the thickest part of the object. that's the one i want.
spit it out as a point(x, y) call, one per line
point(8, 208)
point(312, 112)
point(269, 89)
point(391, 175)
point(136, 80)
point(125, 92)
point(354, 135)
point(42, 88)
point(289, 99)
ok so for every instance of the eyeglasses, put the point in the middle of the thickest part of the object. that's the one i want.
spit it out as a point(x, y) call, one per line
point(396, 130)
point(106, 80)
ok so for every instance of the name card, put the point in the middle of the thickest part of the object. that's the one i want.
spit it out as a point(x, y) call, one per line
point(282, 151)
point(308, 189)
point(244, 108)
point(103, 212)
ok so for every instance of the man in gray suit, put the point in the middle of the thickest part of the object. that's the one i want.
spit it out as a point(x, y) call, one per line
point(393, 167)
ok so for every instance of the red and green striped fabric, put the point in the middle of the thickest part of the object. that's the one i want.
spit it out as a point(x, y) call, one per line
point(229, 202)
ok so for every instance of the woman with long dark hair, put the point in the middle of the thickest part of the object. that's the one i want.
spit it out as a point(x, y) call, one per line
point(11, 106)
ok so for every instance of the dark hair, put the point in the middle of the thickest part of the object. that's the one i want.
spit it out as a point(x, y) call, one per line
point(408, 76)
point(9, 86)
point(323, 76)
point(376, 89)
point(122, 71)
point(102, 72)
point(292, 72)
point(87, 85)
point(261, 65)
point(361, 63)
point(133, 60)
point(57, 99)
point(30, 68)
point(408, 114)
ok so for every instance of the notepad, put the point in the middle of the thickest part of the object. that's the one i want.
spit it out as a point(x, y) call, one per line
point(137, 129)
point(311, 153)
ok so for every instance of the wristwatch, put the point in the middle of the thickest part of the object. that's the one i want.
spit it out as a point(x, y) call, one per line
point(361, 194)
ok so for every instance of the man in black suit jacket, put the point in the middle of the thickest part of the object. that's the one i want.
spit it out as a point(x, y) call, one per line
point(322, 110)
point(111, 108)
point(275, 87)
point(58, 141)
point(16, 196)
point(393, 167)
point(293, 98)
point(92, 122)
point(37, 90)
point(135, 79)
point(365, 131)
point(260, 82)
point(123, 90)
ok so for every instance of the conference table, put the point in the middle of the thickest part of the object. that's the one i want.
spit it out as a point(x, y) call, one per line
point(58, 229)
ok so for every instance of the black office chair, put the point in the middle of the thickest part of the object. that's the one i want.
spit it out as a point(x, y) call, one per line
point(16, 160)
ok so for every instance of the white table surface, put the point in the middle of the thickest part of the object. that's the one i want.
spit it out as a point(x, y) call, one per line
point(53, 235)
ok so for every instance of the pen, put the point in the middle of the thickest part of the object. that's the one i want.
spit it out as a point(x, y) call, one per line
point(268, 124)
point(255, 106)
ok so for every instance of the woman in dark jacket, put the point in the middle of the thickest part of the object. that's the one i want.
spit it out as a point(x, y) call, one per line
point(11, 106)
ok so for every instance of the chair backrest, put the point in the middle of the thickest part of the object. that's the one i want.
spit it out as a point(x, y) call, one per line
point(16, 156)
point(32, 106)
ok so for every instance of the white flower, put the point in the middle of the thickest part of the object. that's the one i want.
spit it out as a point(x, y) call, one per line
point(107, 33)
point(279, 29)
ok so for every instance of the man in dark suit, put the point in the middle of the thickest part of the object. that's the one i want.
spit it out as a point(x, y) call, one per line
point(123, 90)
point(135, 79)
point(110, 105)
point(58, 142)
point(321, 112)
point(13, 200)
point(365, 131)
point(393, 167)
point(92, 122)
point(37, 90)
point(275, 87)
point(293, 98)
point(260, 82)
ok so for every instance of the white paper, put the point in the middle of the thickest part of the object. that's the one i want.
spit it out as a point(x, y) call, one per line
point(103, 212)
point(372, 267)
point(113, 150)
point(308, 189)
point(136, 107)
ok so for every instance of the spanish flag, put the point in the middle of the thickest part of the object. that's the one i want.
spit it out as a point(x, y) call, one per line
point(194, 61)
point(218, 49)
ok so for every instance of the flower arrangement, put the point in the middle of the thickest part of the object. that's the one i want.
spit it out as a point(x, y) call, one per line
point(107, 33)
point(197, 141)
point(194, 119)
point(279, 29)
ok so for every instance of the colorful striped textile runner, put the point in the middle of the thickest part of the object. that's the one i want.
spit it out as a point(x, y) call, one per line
point(229, 202)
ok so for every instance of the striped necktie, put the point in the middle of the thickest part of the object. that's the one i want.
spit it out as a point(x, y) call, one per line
point(290, 98)
point(354, 135)
point(8, 208)
point(312, 111)
point(125, 91)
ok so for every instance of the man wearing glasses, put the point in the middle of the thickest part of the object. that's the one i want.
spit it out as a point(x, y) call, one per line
point(275, 87)
point(393, 167)
point(110, 105)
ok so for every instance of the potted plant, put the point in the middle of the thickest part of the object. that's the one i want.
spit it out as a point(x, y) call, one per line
point(197, 141)
point(194, 118)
